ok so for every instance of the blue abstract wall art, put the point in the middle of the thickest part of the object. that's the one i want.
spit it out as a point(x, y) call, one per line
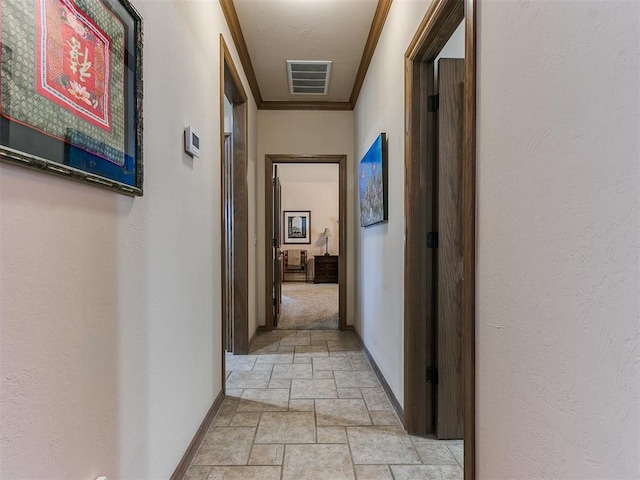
point(372, 181)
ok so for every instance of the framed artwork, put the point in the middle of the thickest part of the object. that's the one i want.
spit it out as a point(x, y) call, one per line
point(297, 227)
point(373, 183)
point(71, 90)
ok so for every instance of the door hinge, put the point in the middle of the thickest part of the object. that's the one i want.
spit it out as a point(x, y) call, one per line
point(274, 302)
point(432, 375)
point(433, 103)
point(274, 243)
point(432, 240)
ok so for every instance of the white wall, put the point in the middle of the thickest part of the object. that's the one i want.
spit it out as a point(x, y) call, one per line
point(379, 314)
point(305, 132)
point(110, 331)
point(558, 293)
point(313, 187)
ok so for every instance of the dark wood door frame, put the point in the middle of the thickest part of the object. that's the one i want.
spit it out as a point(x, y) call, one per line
point(231, 87)
point(341, 160)
point(276, 192)
point(439, 23)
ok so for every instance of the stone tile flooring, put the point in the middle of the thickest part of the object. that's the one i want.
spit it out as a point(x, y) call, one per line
point(307, 405)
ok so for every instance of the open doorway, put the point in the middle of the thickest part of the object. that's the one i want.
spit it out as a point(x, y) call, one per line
point(306, 222)
point(306, 258)
point(235, 218)
point(440, 278)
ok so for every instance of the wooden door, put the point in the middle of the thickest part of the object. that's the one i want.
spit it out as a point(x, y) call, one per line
point(449, 419)
point(277, 253)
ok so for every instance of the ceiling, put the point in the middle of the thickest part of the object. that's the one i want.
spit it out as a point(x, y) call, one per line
point(267, 33)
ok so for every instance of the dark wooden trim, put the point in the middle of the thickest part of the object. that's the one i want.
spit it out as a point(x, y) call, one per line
point(231, 83)
point(223, 243)
point(418, 279)
point(383, 381)
point(382, 10)
point(436, 28)
point(192, 449)
point(231, 86)
point(341, 160)
point(342, 260)
point(240, 231)
point(469, 242)
point(268, 244)
point(285, 105)
point(231, 16)
point(292, 158)
point(259, 330)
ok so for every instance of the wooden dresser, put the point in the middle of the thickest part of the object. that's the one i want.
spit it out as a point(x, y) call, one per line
point(325, 269)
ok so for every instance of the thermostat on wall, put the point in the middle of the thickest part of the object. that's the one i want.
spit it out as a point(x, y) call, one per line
point(191, 142)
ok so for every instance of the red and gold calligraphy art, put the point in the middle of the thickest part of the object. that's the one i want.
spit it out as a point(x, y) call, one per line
point(73, 61)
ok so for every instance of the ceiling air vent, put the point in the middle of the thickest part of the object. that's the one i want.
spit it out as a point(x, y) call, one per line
point(310, 77)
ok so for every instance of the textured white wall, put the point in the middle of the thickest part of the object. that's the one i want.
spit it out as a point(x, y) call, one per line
point(110, 334)
point(558, 293)
point(305, 132)
point(379, 316)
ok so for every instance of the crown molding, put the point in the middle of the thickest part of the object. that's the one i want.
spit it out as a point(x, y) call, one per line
point(379, 18)
point(231, 16)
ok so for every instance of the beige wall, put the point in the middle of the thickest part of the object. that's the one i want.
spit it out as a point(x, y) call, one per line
point(558, 267)
point(305, 132)
point(110, 333)
point(558, 282)
point(379, 309)
point(314, 188)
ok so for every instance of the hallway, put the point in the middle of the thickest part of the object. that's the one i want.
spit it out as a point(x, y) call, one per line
point(307, 405)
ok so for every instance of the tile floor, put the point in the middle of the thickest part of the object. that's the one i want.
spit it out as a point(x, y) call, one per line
point(307, 405)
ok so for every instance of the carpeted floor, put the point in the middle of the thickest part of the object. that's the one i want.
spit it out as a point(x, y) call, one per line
point(307, 306)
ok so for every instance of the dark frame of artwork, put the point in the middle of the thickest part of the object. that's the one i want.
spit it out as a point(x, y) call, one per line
point(71, 90)
point(373, 183)
point(294, 233)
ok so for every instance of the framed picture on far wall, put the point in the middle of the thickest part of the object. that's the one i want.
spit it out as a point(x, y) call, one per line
point(297, 227)
point(71, 90)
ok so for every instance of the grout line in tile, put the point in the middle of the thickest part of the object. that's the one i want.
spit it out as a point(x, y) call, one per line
point(315, 420)
point(391, 470)
point(454, 456)
point(353, 463)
